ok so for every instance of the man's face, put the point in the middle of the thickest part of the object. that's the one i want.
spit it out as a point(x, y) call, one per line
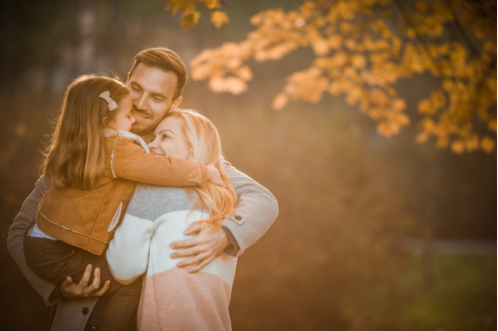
point(152, 91)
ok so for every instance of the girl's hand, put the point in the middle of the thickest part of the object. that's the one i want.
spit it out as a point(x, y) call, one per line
point(214, 175)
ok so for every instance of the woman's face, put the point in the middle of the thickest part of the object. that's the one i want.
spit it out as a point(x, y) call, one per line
point(169, 140)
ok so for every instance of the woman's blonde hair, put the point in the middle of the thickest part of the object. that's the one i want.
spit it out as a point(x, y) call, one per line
point(76, 154)
point(205, 147)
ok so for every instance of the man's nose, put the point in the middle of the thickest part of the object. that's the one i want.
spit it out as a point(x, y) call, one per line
point(140, 103)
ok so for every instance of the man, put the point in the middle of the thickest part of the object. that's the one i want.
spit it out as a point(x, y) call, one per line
point(156, 81)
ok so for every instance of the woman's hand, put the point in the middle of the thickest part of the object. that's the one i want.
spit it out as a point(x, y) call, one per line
point(214, 175)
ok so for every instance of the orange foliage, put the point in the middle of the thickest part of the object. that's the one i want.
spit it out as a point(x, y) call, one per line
point(362, 48)
point(190, 14)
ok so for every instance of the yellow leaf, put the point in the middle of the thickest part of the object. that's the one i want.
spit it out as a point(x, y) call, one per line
point(490, 46)
point(212, 4)
point(180, 5)
point(472, 143)
point(320, 46)
point(425, 107)
point(422, 137)
point(244, 73)
point(280, 101)
point(218, 18)
point(487, 144)
point(190, 19)
point(457, 147)
point(335, 41)
point(231, 84)
point(339, 59)
point(399, 105)
point(387, 128)
point(492, 125)
point(358, 61)
point(346, 27)
point(410, 33)
point(448, 85)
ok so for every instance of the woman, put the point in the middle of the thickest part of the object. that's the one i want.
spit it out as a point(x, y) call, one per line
point(172, 298)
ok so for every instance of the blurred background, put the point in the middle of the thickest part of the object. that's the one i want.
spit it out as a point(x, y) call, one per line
point(374, 233)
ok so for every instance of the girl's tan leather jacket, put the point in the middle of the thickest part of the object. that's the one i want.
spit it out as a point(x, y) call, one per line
point(88, 218)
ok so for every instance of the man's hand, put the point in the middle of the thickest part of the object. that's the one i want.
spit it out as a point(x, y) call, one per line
point(206, 246)
point(69, 289)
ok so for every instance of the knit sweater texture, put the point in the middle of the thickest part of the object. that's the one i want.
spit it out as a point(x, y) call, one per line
point(172, 298)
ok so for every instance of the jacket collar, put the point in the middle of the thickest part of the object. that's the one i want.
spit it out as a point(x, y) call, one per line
point(128, 135)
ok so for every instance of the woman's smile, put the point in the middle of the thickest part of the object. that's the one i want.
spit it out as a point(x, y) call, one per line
point(169, 139)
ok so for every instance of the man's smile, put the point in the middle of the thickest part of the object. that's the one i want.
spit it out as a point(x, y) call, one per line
point(139, 115)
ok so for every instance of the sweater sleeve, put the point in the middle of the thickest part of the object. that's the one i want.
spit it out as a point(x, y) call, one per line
point(129, 161)
point(15, 242)
point(128, 251)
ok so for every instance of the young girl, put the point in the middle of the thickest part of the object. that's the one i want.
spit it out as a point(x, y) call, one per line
point(93, 163)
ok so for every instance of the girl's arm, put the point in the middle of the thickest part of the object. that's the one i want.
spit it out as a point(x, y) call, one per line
point(129, 161)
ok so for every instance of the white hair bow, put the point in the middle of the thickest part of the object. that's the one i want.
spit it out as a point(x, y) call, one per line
point(107, 97)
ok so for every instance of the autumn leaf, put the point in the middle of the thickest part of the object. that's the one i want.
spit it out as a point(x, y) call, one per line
point(180, 5)
point(212, 4)
point(487, 144)
point(363, 62)
point(218, 18)
point(280, 101)
point(190, 19)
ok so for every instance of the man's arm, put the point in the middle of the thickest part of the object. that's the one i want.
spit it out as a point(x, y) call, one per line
point(15, 242)
point(50, 292)
point(256, 211)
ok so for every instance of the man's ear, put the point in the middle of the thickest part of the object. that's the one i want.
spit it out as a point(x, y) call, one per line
point(176, 103)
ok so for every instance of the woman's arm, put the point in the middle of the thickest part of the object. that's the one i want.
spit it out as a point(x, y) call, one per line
point(128, 251)
point(129, 161)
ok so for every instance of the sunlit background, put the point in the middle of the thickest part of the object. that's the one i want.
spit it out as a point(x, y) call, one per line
point(374, 233)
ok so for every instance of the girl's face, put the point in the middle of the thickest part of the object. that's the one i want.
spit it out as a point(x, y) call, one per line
point(123, 119)
point(169, 140)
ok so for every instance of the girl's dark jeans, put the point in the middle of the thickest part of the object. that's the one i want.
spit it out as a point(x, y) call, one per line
point(55, 260)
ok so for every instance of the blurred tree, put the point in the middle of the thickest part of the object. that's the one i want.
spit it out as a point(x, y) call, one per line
point(362, 49)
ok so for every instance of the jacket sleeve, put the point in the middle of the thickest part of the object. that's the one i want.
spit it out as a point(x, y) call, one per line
point(129, 161)
point(256, 211)
point(128, 251)
point(15, 241)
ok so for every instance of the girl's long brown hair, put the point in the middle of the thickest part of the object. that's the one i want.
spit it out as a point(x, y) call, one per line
point(205, 147)
point(76, 155)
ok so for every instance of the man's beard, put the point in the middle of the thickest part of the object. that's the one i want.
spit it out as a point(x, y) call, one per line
point(145, 125)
